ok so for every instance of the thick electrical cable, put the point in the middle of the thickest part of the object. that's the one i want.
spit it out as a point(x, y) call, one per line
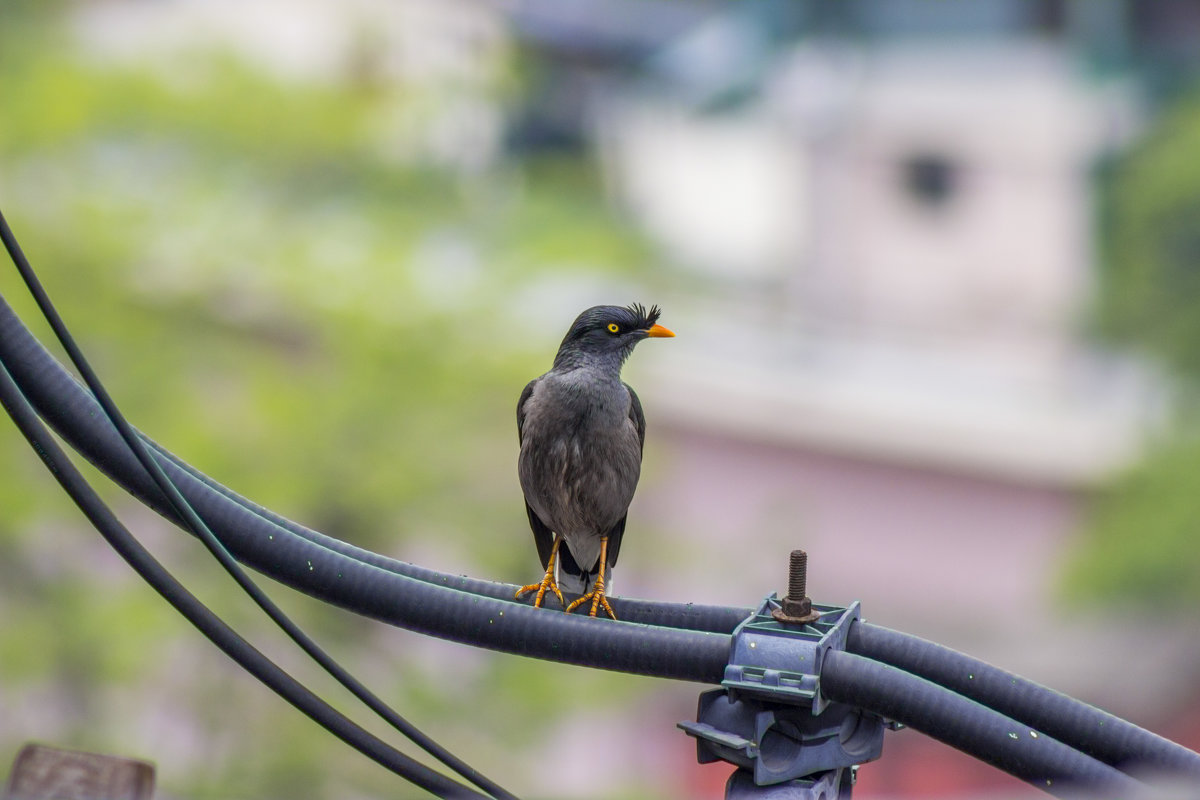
point(685, 616)
point(1109, 738)
point(72, 413)
point(453, 607)
point(201, 617)
point(166, 499)
point(195, 524)
point(1019, 750)
point(435, 607)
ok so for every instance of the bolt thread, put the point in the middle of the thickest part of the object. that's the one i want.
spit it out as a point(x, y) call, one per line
point(798, 575)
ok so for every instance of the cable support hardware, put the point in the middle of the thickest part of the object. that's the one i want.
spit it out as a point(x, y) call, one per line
point(771, 719)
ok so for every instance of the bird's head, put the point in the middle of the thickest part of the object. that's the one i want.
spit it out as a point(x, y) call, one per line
point(607, 334)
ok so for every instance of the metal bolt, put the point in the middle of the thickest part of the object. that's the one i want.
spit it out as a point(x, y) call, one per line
point(797, 575)
point(796, 608)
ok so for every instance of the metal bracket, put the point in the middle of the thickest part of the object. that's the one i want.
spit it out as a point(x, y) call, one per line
point(770, 718)
point(822, 786)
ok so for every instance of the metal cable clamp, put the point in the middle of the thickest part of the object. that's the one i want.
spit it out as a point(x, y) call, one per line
point(770, 718)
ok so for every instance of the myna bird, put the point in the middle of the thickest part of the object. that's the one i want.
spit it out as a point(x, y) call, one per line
point(581, 431)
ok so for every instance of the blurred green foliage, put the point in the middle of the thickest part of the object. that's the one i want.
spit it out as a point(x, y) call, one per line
point(1139, 540)
point(333, 333)
point(1151, 279)
point(1139, 545)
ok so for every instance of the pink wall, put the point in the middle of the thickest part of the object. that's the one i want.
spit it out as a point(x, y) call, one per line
point(960, 550)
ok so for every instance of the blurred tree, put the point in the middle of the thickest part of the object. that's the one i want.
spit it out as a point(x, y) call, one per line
point(1139, 543)
point(337, 336)
point(1150, 289)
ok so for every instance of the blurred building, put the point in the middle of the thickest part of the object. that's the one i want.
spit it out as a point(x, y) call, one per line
point(891, 249)
point(882, 217)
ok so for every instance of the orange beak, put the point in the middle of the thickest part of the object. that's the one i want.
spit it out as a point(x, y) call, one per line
point(659, 332)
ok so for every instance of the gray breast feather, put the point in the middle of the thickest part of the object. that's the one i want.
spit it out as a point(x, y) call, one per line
point(580, 461)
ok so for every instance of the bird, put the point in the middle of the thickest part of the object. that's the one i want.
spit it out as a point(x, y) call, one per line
point(581, 431)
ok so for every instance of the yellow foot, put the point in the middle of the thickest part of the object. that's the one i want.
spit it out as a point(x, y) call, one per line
point(547, 583)
point(598, 601)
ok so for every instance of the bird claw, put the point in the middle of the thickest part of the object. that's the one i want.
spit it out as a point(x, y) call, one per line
point(598, 601)
point(547, 583)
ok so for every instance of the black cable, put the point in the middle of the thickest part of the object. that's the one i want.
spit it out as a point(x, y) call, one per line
point(537, 633)
point(989, 736)
point(200, 616)
point(72, 412)
point(433, 607)
point(1086, 728)
point(194, 523)
point(686, 616)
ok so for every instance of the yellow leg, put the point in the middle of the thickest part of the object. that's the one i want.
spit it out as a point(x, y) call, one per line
point(547, 581)
point(596, 595)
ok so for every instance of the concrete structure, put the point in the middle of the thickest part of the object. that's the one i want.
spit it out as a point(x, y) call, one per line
point(888, 250)
point(894, 248)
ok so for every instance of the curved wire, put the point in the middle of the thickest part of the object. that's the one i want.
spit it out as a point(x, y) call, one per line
point(1073, 722)
point(184, 510)
point(988, 735)
point(319, 568)
point(204, 619)
point(434, 607)
point(685, 616)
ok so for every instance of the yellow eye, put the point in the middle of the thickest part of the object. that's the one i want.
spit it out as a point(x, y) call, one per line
point(613, 327)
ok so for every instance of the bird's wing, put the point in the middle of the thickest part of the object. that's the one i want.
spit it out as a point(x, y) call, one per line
point(543, 537)
point(614, 541)
point(638, 418)
point(525, 393)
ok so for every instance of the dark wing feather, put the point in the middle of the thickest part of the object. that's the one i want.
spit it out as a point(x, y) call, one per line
point(569, 572)
point(525, 393)
point(543, 537)
point(614, 541)
point(636, 416)
point(639, 422)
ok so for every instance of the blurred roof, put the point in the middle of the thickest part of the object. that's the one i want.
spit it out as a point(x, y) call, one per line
point(1160, 40)
point(602, 30)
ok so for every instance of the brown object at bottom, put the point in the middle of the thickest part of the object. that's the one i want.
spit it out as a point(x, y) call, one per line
point(49, 773)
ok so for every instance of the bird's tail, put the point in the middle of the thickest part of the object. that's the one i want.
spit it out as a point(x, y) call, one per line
point(573, 578)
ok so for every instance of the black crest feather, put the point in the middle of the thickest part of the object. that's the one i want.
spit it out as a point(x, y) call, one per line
point(645, 319)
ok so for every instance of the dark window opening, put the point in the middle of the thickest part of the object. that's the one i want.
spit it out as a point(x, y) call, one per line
point(929, 179)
